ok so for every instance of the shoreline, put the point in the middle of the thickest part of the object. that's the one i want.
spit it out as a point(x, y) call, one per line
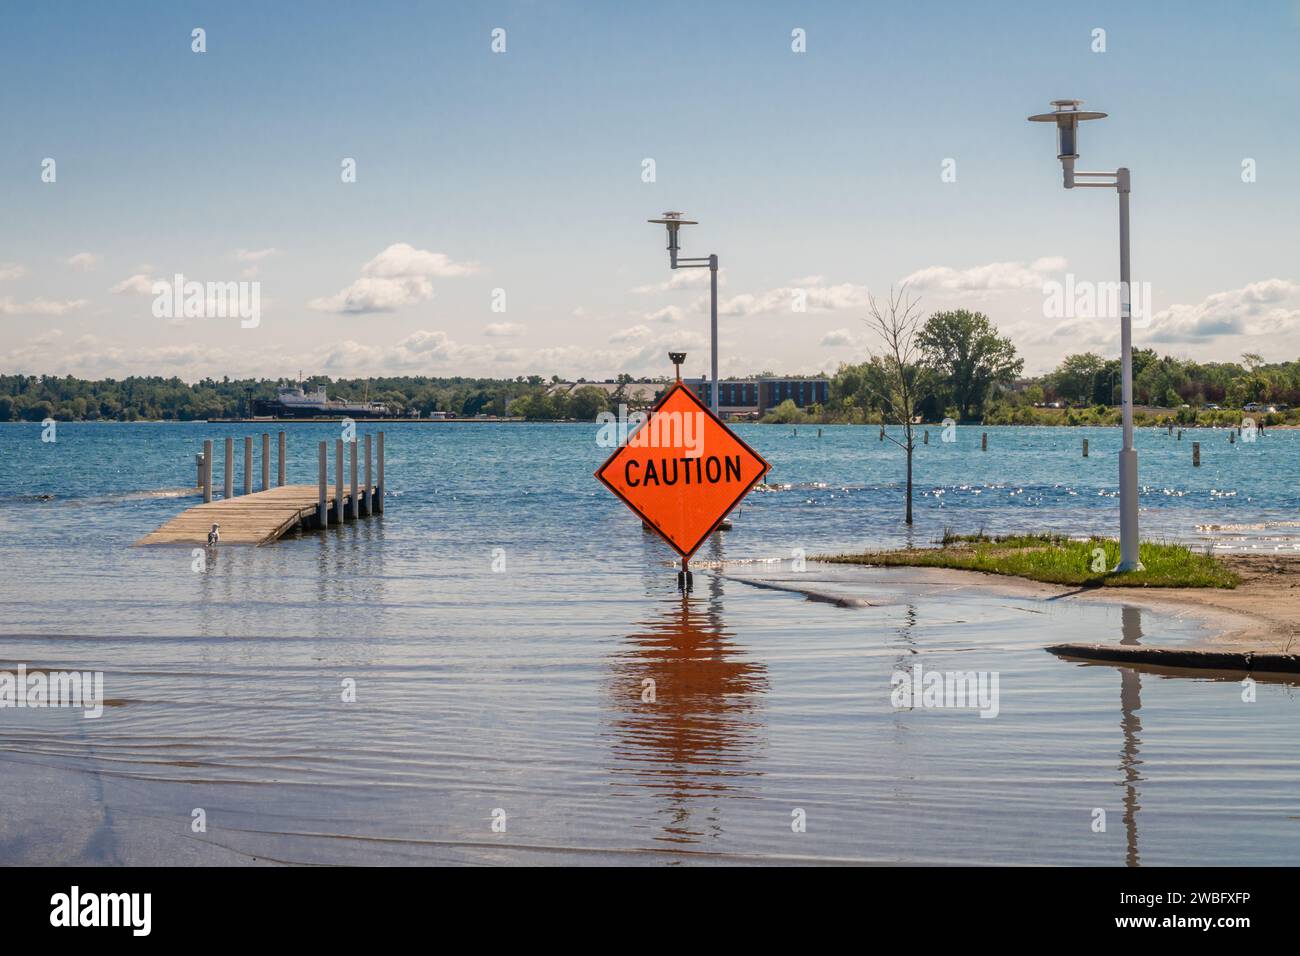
point(1261, 616)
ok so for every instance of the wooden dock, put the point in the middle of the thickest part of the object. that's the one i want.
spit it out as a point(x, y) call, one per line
point(259, 518)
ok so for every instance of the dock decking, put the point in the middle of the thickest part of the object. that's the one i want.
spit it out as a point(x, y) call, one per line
point(262, 517)
point(254, 519)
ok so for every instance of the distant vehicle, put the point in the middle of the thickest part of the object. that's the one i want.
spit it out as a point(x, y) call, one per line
point(1211, 407)
point(1250, 407)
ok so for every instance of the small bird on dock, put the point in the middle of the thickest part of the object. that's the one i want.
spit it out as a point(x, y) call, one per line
point(214, 536)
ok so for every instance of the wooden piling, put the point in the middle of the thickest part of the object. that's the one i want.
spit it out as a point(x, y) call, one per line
point(1196, 454)
point(266, 461)
point(352, 474)
point(322, 505)
point(1232, 438)
point(198, 467)
point(367, 506)
point(339, 515)
point(380, 487)
point(207, 470)
point(882, 432)
point(230, 468)
point(279, 480)
point(1085, 448)
point(927, 437)
point(984, 441)
point(1180, 434)
point(248, 464)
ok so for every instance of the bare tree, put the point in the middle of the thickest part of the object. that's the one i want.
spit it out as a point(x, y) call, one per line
point(896, 325)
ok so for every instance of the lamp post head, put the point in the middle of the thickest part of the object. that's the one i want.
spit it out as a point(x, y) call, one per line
point(677, 358)
point(1067, 116)
point(673, 221)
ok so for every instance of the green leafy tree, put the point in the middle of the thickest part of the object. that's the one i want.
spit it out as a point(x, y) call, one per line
point(968, 357)
point(586, 402)
point(1073, 379)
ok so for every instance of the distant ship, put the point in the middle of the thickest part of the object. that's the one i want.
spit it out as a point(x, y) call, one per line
point(292, 402)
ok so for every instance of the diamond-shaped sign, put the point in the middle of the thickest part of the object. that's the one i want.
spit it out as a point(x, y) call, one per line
point(683, 470)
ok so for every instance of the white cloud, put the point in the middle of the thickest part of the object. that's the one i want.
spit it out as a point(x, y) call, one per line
point(84, 261)
point(669, 313)
point(1271, 306)
point(684, 278)
point(631, 334)
point(12, 270)
point(401, 260)
point(994, 277)
point(503, 330)
point(838, 337)
point(396, 277)
point(255, 255)
point(138, 284)
point(40, 306)
point(814, 298)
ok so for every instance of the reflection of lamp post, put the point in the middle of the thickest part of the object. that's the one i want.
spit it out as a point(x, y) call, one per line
point(1067, 117)
point(674, 221)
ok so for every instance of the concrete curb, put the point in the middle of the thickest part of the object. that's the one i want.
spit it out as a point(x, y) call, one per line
point(1182, 657)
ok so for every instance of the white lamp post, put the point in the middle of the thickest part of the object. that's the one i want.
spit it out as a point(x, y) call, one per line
point(674, 221)
point(1067, 117)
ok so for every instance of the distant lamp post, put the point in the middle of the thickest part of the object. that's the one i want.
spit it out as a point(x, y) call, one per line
point(677, 358)
point(1067, 116)
point(673, 221)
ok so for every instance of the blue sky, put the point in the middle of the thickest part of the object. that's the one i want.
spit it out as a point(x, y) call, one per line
point(521, 171)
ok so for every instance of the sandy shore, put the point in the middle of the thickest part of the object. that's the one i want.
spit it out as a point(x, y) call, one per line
point(1261, 615)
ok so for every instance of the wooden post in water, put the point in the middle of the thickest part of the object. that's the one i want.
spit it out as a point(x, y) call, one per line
point(198, 467)
point(367, 505)
point(352, 474)
point(1180, 434)
point(1232, 438)
point(207, 470)
point(1196, 454)
point(266, 461)
point(279, 478)
point(248, 464)
point(322, 506)
point(339, 516)
point(927, 437)
point(984, 441)
point(230, 467)
point(379, 488)
point(882, 432)
point(1085, 448)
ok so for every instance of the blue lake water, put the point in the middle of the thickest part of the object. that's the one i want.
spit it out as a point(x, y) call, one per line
point(521, 689)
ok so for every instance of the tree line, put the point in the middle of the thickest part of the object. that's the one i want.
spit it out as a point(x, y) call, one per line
point(963, 369)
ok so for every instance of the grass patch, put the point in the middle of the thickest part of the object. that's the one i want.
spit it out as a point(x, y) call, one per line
point(1056, 559)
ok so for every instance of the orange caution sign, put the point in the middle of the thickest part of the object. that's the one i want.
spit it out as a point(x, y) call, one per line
point(683, 470)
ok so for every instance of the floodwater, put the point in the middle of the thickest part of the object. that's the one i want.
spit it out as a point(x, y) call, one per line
point(529, 686)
